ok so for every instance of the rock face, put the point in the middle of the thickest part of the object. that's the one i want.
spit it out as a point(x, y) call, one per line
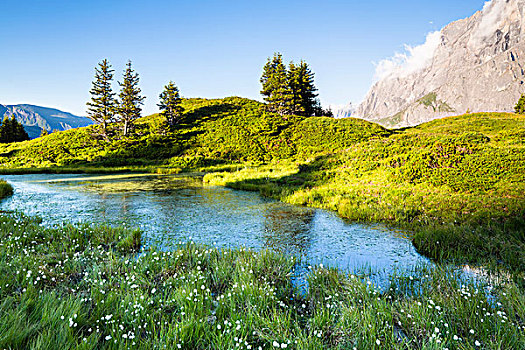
point(475, 64)
point(35, 119)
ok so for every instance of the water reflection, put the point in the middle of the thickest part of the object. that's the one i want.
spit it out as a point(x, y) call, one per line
point(288, 229)
point(170, 209)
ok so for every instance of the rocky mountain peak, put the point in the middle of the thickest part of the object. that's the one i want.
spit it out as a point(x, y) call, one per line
point(36, 118)
point(474, 64)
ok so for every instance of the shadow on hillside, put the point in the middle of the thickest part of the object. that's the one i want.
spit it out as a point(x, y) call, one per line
point(207, 114)
point(190, 125)
point(309, 175)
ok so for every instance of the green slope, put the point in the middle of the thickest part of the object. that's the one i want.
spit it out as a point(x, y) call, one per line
point(212, 132)
point(458, 184)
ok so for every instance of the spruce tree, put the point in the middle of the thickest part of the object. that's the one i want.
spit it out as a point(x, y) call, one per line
point(130, 100)
point(301, 80)
point(520, 106)
point(43, 133)
point(20, 133)
point(276, 89)
point(294, 83)
point(170, 104)
point(12, 131)
point(8, 130)
point(268, 76)
point(4, 130)
point(102, 107)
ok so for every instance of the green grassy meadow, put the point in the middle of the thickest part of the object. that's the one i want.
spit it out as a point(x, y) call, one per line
point(87, 287)
point(456, 185)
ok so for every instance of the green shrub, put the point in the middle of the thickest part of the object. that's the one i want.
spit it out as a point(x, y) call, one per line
point(6, 189)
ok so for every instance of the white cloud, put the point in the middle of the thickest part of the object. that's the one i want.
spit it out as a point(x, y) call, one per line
point(412, 60)
point(493, 13)
point(342, 110)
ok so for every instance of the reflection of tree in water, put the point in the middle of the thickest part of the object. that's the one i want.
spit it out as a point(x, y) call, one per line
point(287, 229)
point(102, 207)
point(125, 206)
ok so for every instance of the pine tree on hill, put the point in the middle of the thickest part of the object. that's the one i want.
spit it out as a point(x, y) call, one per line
point(282, 97)
point(267, 76)
point(20, 134)
point(5, 130)
point(294, 82)
point(43, 133)
point(130, 100)
point(170, 104)
point(102, 107)
point(12, 131)
point(301, 80)
point(276, 89)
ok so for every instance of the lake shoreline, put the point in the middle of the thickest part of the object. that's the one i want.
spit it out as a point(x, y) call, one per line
point(173, 208)
point(440, 241)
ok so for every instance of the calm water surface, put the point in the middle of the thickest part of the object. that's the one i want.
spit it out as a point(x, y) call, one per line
point(170, 209)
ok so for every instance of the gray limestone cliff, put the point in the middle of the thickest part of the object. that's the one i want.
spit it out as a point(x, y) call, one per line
point(475, 64)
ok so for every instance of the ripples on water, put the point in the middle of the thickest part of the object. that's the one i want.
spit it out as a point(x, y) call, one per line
point(170, 209)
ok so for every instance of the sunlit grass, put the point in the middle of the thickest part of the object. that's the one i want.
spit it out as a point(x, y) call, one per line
point(457, 184)
point(86, 287)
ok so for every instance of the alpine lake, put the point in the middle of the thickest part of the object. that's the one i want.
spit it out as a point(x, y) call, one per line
point(170, 209)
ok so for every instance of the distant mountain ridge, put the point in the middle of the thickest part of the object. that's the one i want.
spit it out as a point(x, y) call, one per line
point(342, 111)
point(475, 64)
point(36, 118)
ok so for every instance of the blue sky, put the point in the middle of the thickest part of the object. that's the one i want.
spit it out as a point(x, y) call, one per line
point(48, 49)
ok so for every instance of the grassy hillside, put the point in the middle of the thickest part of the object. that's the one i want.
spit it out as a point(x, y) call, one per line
point(212, 132)
point(458, 183)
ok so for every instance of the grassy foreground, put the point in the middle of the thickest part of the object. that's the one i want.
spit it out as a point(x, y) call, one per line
point(85, 287)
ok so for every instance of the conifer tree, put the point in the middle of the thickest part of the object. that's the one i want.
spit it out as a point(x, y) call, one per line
point(43, 133)
point(170, 104)
point(102, 107)
point(5, 130)
point(301, 80)
point(267, 76)
point(12, 131)
point(520, 106)
point(276, 89)
point(130, 100)
point(20, 133)
point(294, 82)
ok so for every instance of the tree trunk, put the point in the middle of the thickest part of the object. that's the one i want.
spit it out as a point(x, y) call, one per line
point(125, 127)
point(104, 129)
